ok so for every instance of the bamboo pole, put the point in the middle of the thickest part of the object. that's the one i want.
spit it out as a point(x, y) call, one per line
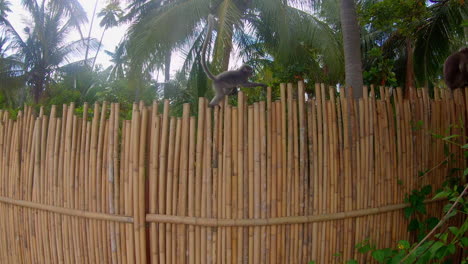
point(240, 178)
point(185, 154)
point(140, 219)
point(209, 190)
point(153, 179)
point(251, 179)
point(162, 181)
point(234, 181)
point(175, 189)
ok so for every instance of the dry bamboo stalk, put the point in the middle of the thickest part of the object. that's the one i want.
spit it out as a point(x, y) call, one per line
point(346, 166)
point(183, 174)
point(197, 195)
point(111, 181)
point(284, 170)
point(134, 178)
point(175, 189)
point(168, 192)
point(263, 181)
point(303, 199)
point(251, 179)
point(215, 170)
point(65, 183)
point(269, 187)
point(227, 183)
point(241, 190)
point(257, 182)
point(104, 193)
point(274, 181)
point(297, 183)
point(206, 256)
point(234, 181)
point(190, 192)
point(123, 186)
point(219, 197)
point(153, 179)
point(141, 187)
point(162, 181)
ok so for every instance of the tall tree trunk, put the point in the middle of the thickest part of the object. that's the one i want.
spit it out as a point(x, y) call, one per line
point(223, 48)
point(352, 47)
point(409, 82)
point(167, 71)
point(99, 47)
point(89, 33)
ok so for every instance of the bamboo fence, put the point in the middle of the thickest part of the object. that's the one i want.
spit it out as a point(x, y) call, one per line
point(283, 181)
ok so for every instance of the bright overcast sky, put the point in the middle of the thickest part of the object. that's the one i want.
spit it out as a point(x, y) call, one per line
point(18, 17)
point(111, 38)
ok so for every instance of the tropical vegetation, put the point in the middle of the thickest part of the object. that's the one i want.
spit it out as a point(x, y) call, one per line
point(338, 42)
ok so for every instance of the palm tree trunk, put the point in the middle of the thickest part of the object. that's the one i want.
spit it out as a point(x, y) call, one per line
point(409, 65)
point(89, 33)
point(352, 47)
point(223, 48)
point(99, 47)
point(167, 71)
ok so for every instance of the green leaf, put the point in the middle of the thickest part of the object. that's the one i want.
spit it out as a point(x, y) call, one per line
point(403, 244)
point(464, 146)
point(464, 241)
point(413, 225)
point(426, 190)
point(437, 245)
point(379, 255)
point(431, 222)
point(409, 211)
point(421, 208)
point(442, 194)
point(351, 261)
point(454, 230)
point(451, 249)
point(441, 252)
point(450, 137)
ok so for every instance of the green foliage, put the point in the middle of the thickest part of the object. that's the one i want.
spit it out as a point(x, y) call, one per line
point(380, 71)
point(403, 16)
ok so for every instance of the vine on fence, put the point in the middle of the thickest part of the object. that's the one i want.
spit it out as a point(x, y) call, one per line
point(436, 240)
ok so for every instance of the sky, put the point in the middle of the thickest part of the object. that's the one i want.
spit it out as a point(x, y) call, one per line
point(111, 38)
point(18, 17)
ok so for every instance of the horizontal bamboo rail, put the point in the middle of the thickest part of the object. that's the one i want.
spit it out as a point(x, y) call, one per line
point(211, 222)
point(67, 211)
point(215, 222)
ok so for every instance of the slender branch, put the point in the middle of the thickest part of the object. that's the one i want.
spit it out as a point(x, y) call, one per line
point(438, 224)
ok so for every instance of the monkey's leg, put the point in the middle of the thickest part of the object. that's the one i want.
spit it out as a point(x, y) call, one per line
point(234, 91)
point(253, 84)
point(215, 101)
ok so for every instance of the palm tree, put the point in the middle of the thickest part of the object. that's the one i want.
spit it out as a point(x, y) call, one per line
point(110, 18)
point(45, 49)
point(119, 60)
point(352, 47)
point(179, 24)
point(412, 35)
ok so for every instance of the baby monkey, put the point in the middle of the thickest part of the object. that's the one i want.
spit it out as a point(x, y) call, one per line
point(226, 83)
point(456, 69)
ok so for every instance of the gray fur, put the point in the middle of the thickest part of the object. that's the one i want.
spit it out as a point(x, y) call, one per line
point(226, 83)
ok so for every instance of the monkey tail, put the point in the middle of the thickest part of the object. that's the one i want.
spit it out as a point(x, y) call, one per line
point(205, 45)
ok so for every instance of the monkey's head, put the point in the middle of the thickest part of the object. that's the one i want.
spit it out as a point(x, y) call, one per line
point(246, 69)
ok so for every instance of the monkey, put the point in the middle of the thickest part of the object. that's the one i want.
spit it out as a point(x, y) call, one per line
point(456, 69)
point(225, 83)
